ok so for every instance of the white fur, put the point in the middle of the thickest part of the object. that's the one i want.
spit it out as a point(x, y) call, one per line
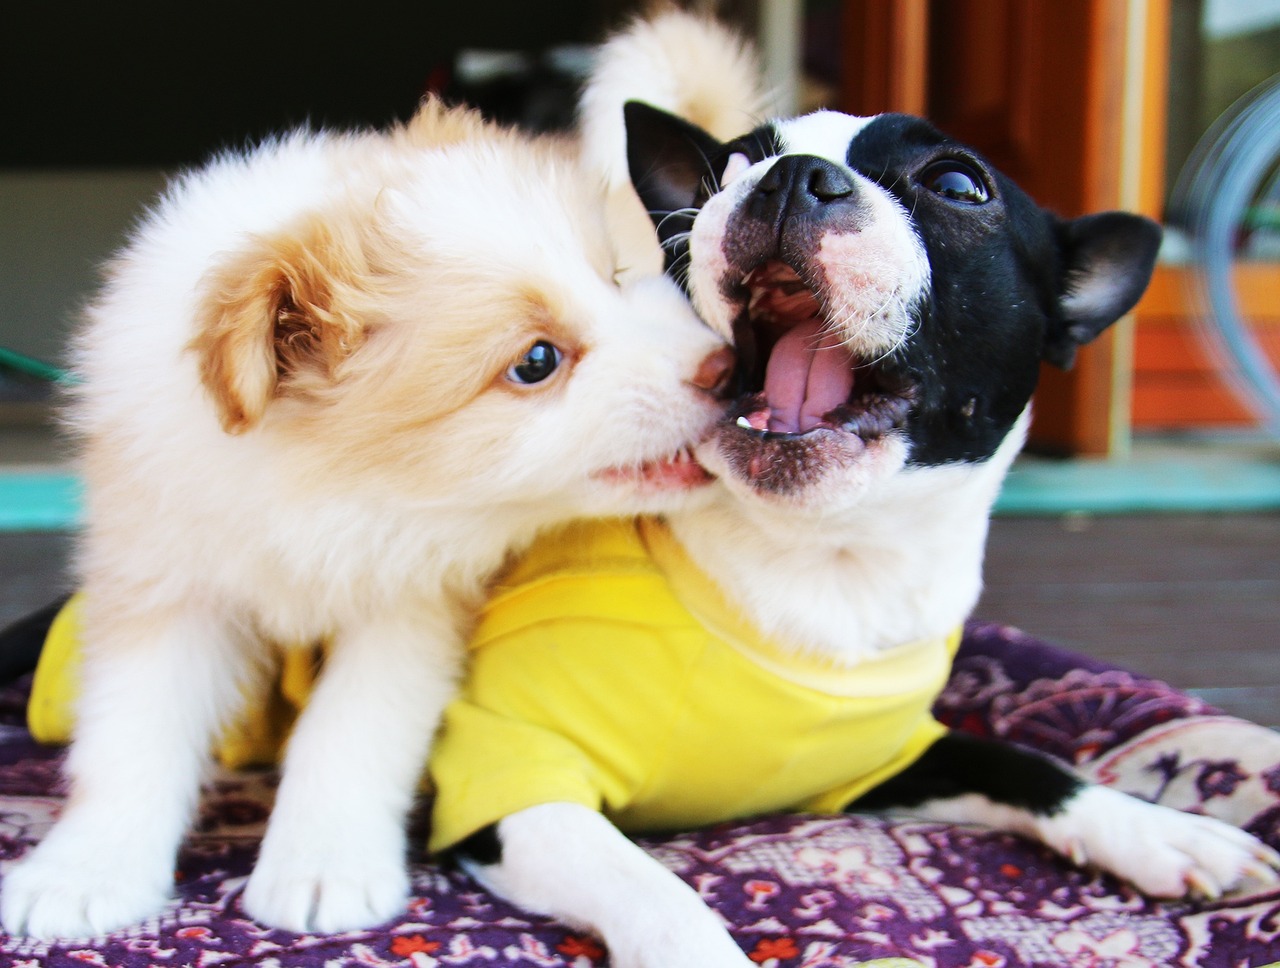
point(1163, 852)
point(317, 870)
point(593, 877)
point(154, 708)
point(366, 504)
point(826, 134)
point(896, 560)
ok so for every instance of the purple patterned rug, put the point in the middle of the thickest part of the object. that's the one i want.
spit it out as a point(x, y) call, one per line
point(797, 891)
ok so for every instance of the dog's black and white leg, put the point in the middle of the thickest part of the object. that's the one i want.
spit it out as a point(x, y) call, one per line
point(569, 862)
point(1164, 852)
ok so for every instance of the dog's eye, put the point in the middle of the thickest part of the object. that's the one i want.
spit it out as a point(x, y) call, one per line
point(538, 363)
point(955, 180)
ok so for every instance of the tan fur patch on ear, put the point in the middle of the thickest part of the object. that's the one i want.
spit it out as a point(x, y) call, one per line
point(274, 317)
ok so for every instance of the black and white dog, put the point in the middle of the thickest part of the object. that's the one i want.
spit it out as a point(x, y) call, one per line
point(891, 297)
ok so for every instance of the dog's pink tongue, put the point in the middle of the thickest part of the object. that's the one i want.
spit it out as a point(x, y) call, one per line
point(809, 374)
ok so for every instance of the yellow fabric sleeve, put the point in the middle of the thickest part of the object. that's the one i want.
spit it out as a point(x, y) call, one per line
point(504, 766)
point(56, 685)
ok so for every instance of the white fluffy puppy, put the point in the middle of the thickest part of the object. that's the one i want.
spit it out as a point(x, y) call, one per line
point(326, 388)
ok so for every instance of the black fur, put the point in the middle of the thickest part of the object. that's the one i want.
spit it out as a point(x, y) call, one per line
point(676, 167)
point(484, 847)
point(957, 765)
point(995, 280)
point(21, 642)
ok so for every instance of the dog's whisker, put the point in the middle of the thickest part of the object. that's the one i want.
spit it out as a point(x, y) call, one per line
point(852, 328)
point(710, 181)
point(687, 211)
point(681, 213)
point(673, 240)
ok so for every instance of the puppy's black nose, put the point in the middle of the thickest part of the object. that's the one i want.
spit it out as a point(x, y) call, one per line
point(798, 184)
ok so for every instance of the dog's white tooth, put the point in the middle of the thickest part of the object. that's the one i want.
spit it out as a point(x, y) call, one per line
point(744, 423)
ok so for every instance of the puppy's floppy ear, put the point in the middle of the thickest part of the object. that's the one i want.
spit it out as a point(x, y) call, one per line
point(669, 158)
point(1108, 260)
point(276, 315)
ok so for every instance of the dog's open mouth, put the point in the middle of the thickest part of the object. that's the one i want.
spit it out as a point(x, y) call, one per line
point(679, 471)
point(797, 374)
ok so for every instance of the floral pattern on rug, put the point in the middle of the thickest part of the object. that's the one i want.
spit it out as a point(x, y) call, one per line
point(796, 891)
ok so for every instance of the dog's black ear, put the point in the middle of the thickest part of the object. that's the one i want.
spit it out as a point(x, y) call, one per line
point(669, 158)
point(1108, 260)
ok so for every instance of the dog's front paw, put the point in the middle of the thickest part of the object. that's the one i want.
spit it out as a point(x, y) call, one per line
point(318, 889)
point(1163, 852)
point(52, 896)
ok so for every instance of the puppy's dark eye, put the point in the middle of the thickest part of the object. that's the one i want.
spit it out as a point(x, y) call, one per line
point(955, 180)
point(538, 363)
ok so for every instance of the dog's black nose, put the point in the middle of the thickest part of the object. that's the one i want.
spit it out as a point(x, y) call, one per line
point(797, 184)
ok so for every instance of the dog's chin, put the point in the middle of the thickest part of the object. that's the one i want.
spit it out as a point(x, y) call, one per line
point(821, 470)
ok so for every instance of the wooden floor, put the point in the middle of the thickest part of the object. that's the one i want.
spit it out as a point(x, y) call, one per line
point(1193, 599)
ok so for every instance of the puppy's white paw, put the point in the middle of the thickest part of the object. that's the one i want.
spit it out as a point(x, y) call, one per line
point(51, 896)
point(1164, 852)
point(319, 889)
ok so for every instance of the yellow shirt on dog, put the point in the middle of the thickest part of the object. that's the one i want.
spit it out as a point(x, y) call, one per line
point(607, 670)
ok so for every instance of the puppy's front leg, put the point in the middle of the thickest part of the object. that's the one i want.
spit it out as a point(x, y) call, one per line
point(157, 687)
point(569, 862)
point(333, 858)
point(1162, 851)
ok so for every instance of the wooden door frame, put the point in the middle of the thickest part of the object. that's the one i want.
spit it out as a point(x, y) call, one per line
point(889, 72)
point(1073, 79)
